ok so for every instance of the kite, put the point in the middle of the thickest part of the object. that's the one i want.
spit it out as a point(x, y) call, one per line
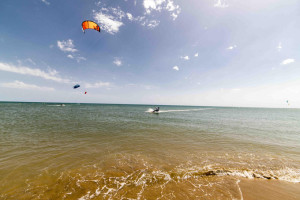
point(76, 86)
point(85, 92)
point(90, 25)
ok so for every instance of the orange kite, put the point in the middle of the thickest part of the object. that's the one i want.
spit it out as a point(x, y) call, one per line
point(90, 25)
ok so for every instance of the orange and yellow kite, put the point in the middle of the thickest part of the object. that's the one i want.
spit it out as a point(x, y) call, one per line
point(90, 25)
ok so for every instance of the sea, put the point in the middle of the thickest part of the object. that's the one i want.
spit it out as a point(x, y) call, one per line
point(104, 151)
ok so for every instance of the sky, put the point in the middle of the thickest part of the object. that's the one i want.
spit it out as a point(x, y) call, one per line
point(158, 52)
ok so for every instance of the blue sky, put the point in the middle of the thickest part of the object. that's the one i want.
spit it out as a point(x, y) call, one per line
point(193, 52)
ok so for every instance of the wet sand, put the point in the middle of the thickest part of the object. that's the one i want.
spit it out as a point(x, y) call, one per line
point(269, 190)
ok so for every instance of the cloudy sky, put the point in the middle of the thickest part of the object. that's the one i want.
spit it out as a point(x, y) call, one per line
point(192, 52)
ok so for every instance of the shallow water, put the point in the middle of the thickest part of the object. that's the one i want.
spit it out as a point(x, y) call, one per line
point(94, 151)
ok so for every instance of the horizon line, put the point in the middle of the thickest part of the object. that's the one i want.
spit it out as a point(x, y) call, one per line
point(145, 104)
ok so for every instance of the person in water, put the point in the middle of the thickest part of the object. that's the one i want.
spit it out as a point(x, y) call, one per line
point(156, 109)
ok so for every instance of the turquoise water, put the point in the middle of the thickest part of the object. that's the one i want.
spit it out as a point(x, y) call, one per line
point(46, 146)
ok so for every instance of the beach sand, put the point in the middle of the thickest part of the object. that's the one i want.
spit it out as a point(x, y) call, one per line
point(269, 190)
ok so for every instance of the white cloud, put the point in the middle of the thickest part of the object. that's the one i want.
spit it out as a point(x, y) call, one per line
point(98, 84)
point(21, 85)
point(111, 19)
point(176, 68)
point(174, 16)
point(75, 57)
point(231, 47)
point(141, 19)
point(130, 17)
point(117, 62)
point(27, 61)
point(46, 2)
point(221, 4)
point(79, 58)
point(147, 23)
point(159, 5)
point(110, 22)
point(171, 6)
point(33, 72)
point(117, 12)
point(185, 57)
point(287, 61)
point(151, 4)
point(196, 55)
point(153, 23)
point(66, 46)
point(174, 9)
point(52, 72)
point(279, 47)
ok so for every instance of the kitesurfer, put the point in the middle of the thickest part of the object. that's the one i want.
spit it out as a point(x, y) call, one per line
point(156, 109)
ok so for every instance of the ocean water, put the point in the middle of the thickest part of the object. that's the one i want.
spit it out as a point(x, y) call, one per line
point(102, 151)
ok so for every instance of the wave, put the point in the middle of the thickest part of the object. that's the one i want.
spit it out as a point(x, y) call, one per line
point(285, 174)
